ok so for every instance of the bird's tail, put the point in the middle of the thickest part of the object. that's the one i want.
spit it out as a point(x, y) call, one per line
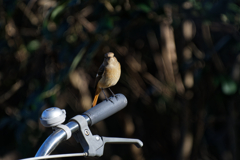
point(98, 90)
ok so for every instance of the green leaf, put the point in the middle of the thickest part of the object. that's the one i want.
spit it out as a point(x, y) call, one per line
point(144, 7)
point(234, 7)
point(109, 23)
point(229, 87)
point(77, 59)
point(71, 38)
point(58, 10)
point(33, 45)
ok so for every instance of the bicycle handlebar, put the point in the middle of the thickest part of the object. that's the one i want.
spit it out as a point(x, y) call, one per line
point(92, 116)
point(106, 109)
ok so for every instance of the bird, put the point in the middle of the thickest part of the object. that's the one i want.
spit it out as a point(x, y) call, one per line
point(108, 75)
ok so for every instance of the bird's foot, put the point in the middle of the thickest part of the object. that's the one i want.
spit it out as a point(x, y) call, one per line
point(108, 99)
point(115, 96)
point(113, 93)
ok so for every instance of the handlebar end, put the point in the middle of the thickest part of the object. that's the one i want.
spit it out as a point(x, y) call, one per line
point(106, 108)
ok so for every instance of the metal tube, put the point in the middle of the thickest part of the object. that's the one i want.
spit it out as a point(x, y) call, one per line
point(56, 156)
point(54, 139)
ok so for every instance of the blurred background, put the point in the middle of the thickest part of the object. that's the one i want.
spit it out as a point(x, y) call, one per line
point(180, 73)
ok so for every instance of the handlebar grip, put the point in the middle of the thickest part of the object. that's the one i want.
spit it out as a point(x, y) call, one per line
point(106, 108)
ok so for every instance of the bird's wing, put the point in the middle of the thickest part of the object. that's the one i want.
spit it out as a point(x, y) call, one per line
point(101, 70)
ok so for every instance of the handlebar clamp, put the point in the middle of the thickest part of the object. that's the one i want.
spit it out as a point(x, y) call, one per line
point(93, 145)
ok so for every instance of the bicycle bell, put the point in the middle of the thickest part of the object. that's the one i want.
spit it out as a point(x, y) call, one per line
point(53, 116)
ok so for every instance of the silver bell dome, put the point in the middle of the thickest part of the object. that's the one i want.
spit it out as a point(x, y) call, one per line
point(53, 116)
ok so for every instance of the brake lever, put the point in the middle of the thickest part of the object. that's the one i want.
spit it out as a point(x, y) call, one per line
point(116, 140)
point(93, 145)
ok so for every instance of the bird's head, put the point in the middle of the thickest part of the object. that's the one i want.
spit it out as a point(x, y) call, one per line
point(109, 58)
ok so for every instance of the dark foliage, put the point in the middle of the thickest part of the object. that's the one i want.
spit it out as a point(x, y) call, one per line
point(180, 72)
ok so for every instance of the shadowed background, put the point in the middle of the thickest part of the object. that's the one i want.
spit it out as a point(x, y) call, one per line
point(180, 73)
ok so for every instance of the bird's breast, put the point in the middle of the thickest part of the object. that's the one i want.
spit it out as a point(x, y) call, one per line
point(110, 76)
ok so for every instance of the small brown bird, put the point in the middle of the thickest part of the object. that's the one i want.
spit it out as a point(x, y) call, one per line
point(107, 76)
